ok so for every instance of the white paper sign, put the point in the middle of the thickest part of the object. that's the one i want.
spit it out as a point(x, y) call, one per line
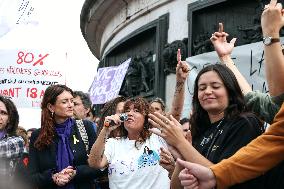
point(25, 74)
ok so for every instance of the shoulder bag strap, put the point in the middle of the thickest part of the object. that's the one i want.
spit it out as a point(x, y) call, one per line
point(83, 133)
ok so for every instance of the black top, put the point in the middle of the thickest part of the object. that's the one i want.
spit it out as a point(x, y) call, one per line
point(231, 135)
point(42, 162)
point(225, 137)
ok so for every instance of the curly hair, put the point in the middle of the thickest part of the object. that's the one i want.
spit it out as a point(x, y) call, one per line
point(200, 120)
point(144, 108)
point(13, 116)
point(47, 131)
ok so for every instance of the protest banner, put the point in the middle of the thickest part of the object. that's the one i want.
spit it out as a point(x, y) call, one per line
point(107, 83)
point(25, 74)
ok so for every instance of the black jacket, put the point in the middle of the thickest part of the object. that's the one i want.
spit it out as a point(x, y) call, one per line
point(43, 162)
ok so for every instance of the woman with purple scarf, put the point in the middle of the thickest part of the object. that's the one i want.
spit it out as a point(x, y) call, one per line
point(58, 155)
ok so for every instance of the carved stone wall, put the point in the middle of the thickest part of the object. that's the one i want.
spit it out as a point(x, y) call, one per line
point(140, 77)
point(241, 19)
point(145, 75)
point(170, 54)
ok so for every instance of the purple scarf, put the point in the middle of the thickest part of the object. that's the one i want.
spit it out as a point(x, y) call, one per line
point(64, 157)
point(2, 134)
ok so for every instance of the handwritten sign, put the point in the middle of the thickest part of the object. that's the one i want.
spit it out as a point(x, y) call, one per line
point(249, 59)
point(108, 82)
point(25, 74)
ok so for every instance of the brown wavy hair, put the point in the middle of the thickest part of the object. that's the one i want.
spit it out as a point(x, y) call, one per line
point(144, 108)
point(47, 130)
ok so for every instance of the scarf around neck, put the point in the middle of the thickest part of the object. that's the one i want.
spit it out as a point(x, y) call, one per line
point(64, 156)
point(2, 134)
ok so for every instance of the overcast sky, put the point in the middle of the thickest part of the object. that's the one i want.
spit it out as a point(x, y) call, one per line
point(52, 24)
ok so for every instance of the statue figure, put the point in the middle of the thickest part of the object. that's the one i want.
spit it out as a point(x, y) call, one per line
point(135, 78)
point(170, 54)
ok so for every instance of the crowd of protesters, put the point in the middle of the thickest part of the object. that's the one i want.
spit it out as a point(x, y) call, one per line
point(222, 143)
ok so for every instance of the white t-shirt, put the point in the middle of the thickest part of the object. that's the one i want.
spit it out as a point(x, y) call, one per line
point(134, 169)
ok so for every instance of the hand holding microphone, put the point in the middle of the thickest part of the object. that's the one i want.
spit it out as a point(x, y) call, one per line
point(115, 120)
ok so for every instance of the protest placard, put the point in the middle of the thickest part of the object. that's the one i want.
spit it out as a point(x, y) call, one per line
point(108, 82)
point(26, 73)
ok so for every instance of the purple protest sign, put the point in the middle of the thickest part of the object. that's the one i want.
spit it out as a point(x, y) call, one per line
point(108, 82)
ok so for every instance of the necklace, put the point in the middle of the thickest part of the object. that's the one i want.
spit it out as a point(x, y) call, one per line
point(215, 136)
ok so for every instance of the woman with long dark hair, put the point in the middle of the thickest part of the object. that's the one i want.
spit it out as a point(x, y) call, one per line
point(58, 153)
point(220, 123)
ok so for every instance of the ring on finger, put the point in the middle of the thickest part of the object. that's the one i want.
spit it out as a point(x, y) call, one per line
point(167, 122)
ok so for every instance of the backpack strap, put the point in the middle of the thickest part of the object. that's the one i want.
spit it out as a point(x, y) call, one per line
point(83, 133)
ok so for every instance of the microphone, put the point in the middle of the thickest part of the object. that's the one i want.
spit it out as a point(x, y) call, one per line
point(122, 117)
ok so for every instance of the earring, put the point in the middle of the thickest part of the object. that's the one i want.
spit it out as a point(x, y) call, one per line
point(52, 114)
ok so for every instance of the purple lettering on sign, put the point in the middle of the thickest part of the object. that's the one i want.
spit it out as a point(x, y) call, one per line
point(108, 82)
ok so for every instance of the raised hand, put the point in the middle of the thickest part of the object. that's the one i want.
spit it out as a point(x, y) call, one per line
point(219, 41)
point(272, 19)
point(182, 69)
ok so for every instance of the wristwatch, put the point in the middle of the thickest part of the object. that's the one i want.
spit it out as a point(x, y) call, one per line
point(270, 40)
